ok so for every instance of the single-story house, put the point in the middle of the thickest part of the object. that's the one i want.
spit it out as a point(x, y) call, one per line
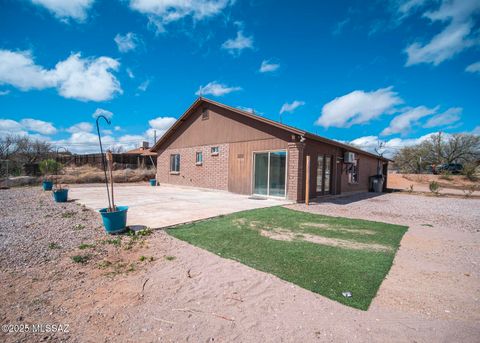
point(145, 157)
point(216, 146)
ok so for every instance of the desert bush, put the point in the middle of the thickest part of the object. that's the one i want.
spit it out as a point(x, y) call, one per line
point(446, 175)
point(49, 167)
point(89, 174)
point(470, 171)
point(470, 190)
point(434, 187)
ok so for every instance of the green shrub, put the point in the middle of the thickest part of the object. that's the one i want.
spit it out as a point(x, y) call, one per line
point(446, 175)
point(434, 187)
point(82, 259)
point(470, 171)
point(49, 167)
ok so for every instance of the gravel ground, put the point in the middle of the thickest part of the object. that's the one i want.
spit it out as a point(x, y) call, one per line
point(404, 209)
point(181, 293)
point(35, 230)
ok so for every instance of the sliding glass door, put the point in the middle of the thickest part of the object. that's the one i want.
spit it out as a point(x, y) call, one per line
point(269, 173)
point(324, 174)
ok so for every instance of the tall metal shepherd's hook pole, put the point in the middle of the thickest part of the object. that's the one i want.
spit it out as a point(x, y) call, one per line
point(103, 160)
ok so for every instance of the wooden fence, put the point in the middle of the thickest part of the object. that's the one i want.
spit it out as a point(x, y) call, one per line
point(121, 161)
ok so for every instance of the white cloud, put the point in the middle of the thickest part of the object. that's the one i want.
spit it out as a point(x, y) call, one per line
point(86, 79)
point(216, 89)
point(358, 107)
point(403, 122)
point(65, 9)
point(473, 68)
point(5, 92)
point(163, 12)
point(267, 66)
point(84, 142)
point(80, 127)
point(27, 126)
point(11, 127)
point(102, 112)
point(286, 107)
point(476, 131)
point(160, 125)
point(127, 42)
point(39, 126)
point(130, 73)
point(450, 116)
point(406, 7)
point(143, 86)
point(237, 44)
point(246, 109)
point(389, 147)
point(454, 38)
point(117, 128)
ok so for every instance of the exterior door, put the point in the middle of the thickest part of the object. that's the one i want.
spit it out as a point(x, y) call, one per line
point(324, 174)
point(269, 173)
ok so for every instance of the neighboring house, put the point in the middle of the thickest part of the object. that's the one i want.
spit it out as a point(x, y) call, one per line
point(145, 157)
point(220, 147)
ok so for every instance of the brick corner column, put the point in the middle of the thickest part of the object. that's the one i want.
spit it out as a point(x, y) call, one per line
point(295, 187)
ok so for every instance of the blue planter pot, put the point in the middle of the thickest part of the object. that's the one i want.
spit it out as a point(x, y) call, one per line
point(47, 185)
point(115, 222)
point(153, 182)
point(60, 195)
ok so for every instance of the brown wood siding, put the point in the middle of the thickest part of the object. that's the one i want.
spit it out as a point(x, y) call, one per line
point(317, 148)
point(240, 166)
point(367, 166)
point(222, 126)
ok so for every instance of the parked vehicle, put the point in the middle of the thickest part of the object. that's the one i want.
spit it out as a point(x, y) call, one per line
point(452, 168)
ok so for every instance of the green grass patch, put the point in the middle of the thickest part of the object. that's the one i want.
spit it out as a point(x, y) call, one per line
point(324, 269)
point(170, 258)
point(84, 246)
point(54, 245)
point(82, 259)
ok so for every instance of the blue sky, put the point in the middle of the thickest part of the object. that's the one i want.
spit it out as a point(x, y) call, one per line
point(394, 71)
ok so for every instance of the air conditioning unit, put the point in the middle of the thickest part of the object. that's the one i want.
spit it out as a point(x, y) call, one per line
point(349, 157)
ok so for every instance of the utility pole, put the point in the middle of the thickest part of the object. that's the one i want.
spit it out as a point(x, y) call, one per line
point(154, 137)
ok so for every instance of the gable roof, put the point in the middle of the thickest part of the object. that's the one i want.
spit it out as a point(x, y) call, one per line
point(288, 128)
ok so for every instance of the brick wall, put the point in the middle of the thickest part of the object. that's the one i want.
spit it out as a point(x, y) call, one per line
point(213, 173)
point(295, 171)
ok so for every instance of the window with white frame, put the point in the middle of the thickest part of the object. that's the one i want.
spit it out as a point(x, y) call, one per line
point(175, 163)
point(214, 150)
point(353, 172)
point(199, 158)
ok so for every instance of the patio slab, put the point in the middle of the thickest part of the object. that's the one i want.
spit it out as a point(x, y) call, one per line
point(167, 205)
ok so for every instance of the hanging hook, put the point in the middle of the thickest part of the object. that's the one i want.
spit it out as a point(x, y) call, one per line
point(103, 159)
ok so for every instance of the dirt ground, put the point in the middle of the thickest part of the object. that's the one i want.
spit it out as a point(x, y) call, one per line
point(453, 184)
point(188, 294)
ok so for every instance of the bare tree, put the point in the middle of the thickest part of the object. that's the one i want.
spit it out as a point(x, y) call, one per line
point(439, 149)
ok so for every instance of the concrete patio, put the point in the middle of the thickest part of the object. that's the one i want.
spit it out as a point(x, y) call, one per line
point(166, 205)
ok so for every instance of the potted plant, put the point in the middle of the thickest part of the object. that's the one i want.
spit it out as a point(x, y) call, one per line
point(114, 217)
point(60, 192)
point(47, 167)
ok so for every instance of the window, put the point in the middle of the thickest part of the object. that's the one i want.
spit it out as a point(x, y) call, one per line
point(175, 163)
point(199, 158)
point(353, 173)
point(214, 150)
point(205, 114)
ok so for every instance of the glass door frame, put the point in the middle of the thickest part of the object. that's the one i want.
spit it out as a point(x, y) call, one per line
point(331, 175)
point(268, 173)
